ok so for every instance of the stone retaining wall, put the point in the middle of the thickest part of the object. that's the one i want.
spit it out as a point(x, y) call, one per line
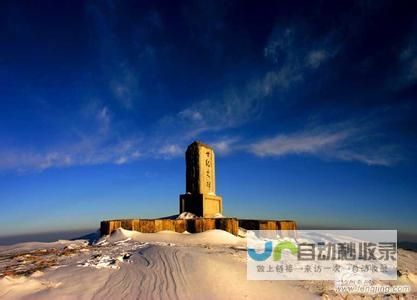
point(194, 225)
point(267, 224)
point(155, 225)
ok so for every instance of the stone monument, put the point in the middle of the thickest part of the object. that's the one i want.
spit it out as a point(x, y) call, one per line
point(200, 197)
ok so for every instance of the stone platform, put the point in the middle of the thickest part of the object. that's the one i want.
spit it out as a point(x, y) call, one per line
point(200, 199)
point(194, 225)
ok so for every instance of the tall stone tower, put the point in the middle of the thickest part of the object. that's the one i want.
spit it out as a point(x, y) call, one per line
point(200, 198)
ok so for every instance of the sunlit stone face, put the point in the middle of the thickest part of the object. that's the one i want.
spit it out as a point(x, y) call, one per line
point(200, 169)
point(207, 172)
point(201, 196)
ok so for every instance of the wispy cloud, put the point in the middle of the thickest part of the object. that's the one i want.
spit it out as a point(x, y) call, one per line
point(226, 146)
point(292, 59)
point(231, 109)
point(382, 155)
point(338, 142)
point(408, 62)
point(91, 152)
point(316, 57)
point(99, 144)
point(308, 142)
point(103, 117)
point(124, 86)
point(170, 151)
point(120, 73)
point(294, 54)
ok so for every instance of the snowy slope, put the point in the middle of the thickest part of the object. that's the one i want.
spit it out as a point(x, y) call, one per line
point(164, 265)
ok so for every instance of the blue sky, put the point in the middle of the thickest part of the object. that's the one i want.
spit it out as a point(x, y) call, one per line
point(310, 108)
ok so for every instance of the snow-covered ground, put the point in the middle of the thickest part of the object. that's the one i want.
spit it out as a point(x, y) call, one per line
point(163, 265)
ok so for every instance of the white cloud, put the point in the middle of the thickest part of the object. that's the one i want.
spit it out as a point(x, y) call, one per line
point(283, 78)
point(103, 117)
point(379, 156)
point(337, 143)
point(410, 68)
point(309, 142)
point(225, 146)
point(121, 160)
point(294, 54)
point(120, 74)
point(125, 87)
point(407, 61)
point(316, 57)
point(292, 58)
point(190, 114)
point(76, 154)
point(171, 150)
point(235, 106)
point(136, 154)
point(230, 110)
point(98, 144)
